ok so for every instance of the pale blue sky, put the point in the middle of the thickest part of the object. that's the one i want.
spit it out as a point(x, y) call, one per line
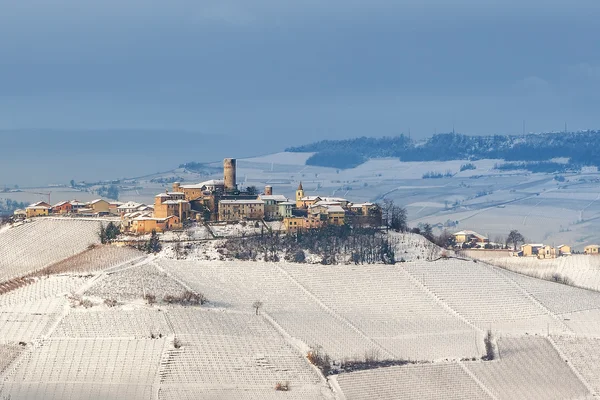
point(293, 72)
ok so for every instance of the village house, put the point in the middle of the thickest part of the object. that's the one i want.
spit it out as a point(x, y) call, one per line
point(272, 205)
point(99, 207)
point(131, 206)
point(20, 214)
point(294, 224)
point(64, 207)
point(470, 237)
point(200, 190)
point(547, 252)
point(564, 250)
point(39, 209)
point(142, 225)
point(529, 249)
point(591, 249)
point(239, 210)
point(76, 205)
point(174, 203)
point(113, 207)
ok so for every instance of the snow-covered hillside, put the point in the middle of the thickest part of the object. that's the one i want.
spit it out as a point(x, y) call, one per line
point(111, 323)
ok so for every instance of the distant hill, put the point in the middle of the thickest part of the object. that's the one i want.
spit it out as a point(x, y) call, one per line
point(581, 148)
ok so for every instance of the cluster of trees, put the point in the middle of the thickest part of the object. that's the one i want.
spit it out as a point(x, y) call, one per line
point(108, 233)
point(467, 166)
point(152, 245)
point(549, 167)
point(350, 153)
point(582, 148)
point(111, 192)
point(437, 175)
point(332, 243)
point(8, 206)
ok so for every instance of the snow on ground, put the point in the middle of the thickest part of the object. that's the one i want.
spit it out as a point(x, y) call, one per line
point(433, 311)
point(93, 260)
point(414, 326)
point(584, 354)
point(29, 321)
point(529, 368)
point(232, 350)
point(86, 369)
point(418, 382)
point(483, 295)
point(43, 288)
point(97, 322)
point(582, 270)
point(32, 246)
point(135, 282)
point(237, 229)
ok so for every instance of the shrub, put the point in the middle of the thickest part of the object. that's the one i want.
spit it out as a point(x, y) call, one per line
point(177, 343)
point(467, 166)
point(87, 303)
point(110, 302)
point(282, 386)
point(186, 298)
point(318, 358)
point(150, 298)
point(488, 340)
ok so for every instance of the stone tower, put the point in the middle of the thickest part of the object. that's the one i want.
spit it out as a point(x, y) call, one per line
point(268, 190)
point(229, 173)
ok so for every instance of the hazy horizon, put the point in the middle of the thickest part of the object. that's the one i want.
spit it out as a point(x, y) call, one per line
point(266, 75)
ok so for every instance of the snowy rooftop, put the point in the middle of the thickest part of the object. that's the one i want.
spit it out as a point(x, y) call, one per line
point(274, 197)
point(241, 202)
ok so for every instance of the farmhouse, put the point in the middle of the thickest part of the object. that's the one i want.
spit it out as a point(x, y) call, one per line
point(99, 207)
point(470, 237)
point(20, 214)
point(564, 250)
point(76, 205)
point(142, 225)
point(64, 207)
point(591, 249)
point(529, 250)
point(39, 209)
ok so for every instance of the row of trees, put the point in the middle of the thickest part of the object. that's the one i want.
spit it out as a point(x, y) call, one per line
point(582, 148)
point(332, 243)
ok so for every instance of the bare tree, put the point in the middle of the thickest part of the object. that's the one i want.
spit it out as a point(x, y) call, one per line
point(257, 305)
point(514, 238)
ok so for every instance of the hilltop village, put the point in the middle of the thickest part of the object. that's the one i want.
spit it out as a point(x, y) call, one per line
point(219, 201)
point(222, 201)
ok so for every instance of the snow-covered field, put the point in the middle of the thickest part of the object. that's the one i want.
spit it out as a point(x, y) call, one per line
point(582, 270)
point(34, 245)
point(83, 329)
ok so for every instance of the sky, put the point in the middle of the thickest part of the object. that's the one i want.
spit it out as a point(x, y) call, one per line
point(261, 75)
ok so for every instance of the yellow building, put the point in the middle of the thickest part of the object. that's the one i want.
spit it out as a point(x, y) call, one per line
point(564, 250)
point(200, 190)
point(531, 249)
point(174, 203)
point(239, 210)
point(547, 252)
point(37, 211)
point(99, 206)
point(294, 224)
point(591, 249)
point(470, 237)
point(143, 225)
